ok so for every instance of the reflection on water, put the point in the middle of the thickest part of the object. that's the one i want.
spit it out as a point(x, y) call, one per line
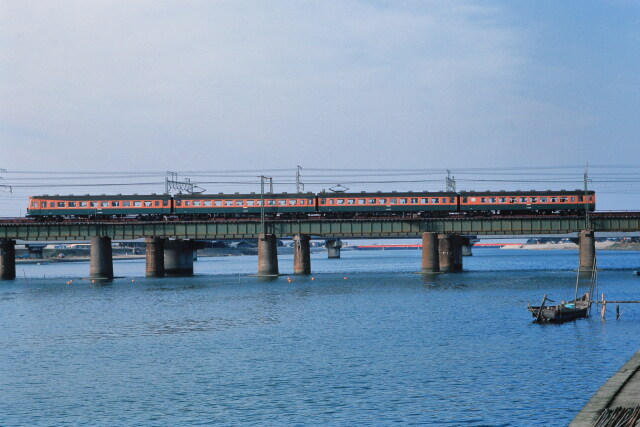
point(364, 340)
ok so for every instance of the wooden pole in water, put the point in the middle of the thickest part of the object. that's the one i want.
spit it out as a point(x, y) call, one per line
point(604, 306)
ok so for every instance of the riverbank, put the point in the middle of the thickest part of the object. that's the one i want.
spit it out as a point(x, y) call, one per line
point(604, 246)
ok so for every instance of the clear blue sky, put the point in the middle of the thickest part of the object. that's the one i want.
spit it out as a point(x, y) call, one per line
point(208, 85)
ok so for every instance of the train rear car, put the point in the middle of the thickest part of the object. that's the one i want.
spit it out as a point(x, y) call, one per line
point(393, 203)
point(103, 206)
point(285, 205)
point(519, 202)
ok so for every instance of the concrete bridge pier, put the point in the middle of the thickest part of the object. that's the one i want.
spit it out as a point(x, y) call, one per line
point(7, 259)
point(100, 258)
point(301, 254)
point(450, 252)
point(333, 248)
point(178, 258)
point(587, 250)
point(430, 253)
point(466, 247)
point(155, 257)
point(267, 255)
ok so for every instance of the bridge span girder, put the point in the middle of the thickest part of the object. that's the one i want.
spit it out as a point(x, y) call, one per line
point(365, 228)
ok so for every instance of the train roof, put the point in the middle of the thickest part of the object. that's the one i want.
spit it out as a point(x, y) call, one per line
point(103, 197)
point(244, 196)
point(526, 193)
point(389, 194)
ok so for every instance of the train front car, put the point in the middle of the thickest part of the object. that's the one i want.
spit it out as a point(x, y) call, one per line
point(526, 202)
point(351, 205)
point(150, 206)
point(281, 205)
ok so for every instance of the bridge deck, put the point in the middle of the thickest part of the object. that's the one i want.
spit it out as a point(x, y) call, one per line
point(323, 228)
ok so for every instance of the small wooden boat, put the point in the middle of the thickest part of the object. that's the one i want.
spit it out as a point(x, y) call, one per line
point(563, 312)
point(578, 308)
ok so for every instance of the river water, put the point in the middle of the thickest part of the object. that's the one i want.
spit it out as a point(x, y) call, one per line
point(365, 340)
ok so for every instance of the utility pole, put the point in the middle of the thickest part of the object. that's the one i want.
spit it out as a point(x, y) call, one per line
point(450, 182)
point(299, 184)
point(587, 218)
point(262, 180)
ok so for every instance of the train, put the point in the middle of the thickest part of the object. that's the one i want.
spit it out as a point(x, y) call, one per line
point(423, 204)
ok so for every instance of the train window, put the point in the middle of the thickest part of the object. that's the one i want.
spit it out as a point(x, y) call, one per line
point(512, 199)
point(473, 199)
point(362, 201)
point(310, 202)
point(72, 204)
point(148, 204)
point(259, 202)
point(351, 201)
point(523, 200)
point(534, 200)
point(323, 201)
point(250, 203)
point(127, 203)
point(424, 200)
point(573, 199)
point(43, 204)
point(227, 203)
point(156, 203)
point(383, 201)
point(239, 202)
point(271, 202)
point(293, 202)
point(372, 201)
point(543, 200)
point(301, 202)
point(197, 203)
point(554, 199)
point(483, 200)
point(207, 203)
point(492, 199)
point(106, 204)
point(452, 199)
point(564, 199)
point(393, 201)
point(435, 200)
point(580, 199)
point(137, 204)
point(403, 201)
point(340, 201)
point(117, 204)
point(187, 202)
point(503, 200)
point(282, 202)
point(464, 200)
point(93, 204)
point(217, 203)
point(178, 202)
point(34, 204)
point(444, 200)
point(61, 204)
point(165, 203)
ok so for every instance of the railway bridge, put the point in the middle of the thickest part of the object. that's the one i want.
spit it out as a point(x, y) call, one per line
point(170, 243)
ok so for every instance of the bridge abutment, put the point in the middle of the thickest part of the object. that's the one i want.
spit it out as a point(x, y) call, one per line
point(333, 248)
point(155, 257)
point(267, 255)
point(301, 254)
point(178, 258)
point(587, 250)
point(101, 258)
point(7, 259)
point(430, 253)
